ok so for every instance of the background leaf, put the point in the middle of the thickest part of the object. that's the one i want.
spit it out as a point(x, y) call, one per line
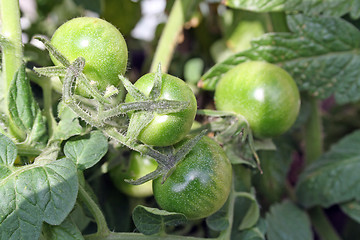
point(86, 150)
point(321, 54)
point(334, 8)
point(288, 222)
point(8, 151)
point(334, 177)
point(24, 110)
point(35, 193)
point(152, 220)
point(352, 209)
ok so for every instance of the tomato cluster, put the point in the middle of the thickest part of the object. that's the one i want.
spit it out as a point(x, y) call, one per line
point(264, 94)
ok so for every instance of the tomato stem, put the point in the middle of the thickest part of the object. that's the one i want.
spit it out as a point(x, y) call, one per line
point(322, 225)
point(170, 35)
point(102, 230)
point(313, 133)
point(12, 52)
point(313, 150)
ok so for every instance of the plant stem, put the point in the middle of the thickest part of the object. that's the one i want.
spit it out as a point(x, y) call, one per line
point(170, 35)
point(313, 150)
point(102, 230)
point(313, 133)
point(322, 225)
point(12, 53)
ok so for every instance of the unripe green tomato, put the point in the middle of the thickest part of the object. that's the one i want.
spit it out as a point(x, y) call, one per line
point(167, 129)
point(263, 93)
point(100, 44)
point(200, 184)
point(138, 166)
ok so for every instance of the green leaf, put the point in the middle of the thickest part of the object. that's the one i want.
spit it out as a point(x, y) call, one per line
point(257, 5)
point(352, 209)
point(86, 150)
point(219, 221)
point(8, 151)
point(275, 165)
point(250, 211)
point(321, 53)
point(69, 124)
point(334, 8)
point(33, 194)
point(288, 222)
point(334, 177)
point(151, 221)
point(67, 230)
point(255, 233)
point(24, 110)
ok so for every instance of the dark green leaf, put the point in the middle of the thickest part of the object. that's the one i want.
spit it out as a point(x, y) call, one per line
point(8, 151)
point(271, 184)
point(151, 221)
point(286, 221)
point(352, 209)
point(67, 230)
point(334, 177)
point(86, 150)
point(24, 110)
point(33, 194)
point(321, 54)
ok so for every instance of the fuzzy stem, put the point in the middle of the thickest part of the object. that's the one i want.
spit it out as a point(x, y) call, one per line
point(102, 229)
point(12, 53)
point(170, 35)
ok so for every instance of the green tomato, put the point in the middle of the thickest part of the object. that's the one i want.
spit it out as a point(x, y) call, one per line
point(263, 93)
point(102, 46)
point(138, 166)
point(200, 184)
point(167, 129)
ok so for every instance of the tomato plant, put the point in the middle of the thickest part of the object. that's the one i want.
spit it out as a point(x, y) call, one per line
point(100, 43)
point(200, 184)
point(264, 94)
point(137, 166)
point(231, 163)
point(167, 129)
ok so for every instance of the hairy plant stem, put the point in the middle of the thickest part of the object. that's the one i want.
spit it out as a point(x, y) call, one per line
point(12, 53)
point(170, 35)
point(313, 150)
point(102, 230)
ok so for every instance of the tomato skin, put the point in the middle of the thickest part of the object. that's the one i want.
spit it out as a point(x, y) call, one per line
point(200, 184)
point(263, 93)
point(102, 46)
point(167, 129)
point(139, 165)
